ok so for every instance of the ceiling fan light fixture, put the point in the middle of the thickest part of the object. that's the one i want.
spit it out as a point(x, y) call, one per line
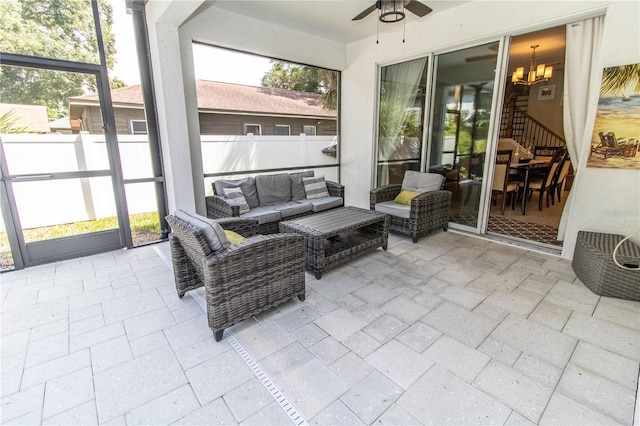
point(391, 11)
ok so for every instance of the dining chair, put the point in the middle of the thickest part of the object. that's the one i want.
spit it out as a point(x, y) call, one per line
point(541, 184)
point(560, 177)
point(551, 153)
point(501, 183)
point(545, 152)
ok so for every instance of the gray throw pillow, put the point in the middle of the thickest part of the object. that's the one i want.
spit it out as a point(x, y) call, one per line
point(236, 197)
point(297, 186)
point(315, 187)
point(273, 189)
point(248, 186)
point(211, 230)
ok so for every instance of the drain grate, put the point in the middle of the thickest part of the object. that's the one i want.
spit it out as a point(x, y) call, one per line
point(266, 381)
point(288, 408)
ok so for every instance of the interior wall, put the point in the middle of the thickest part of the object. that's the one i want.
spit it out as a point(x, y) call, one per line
point(598, 209)
point(545, 110)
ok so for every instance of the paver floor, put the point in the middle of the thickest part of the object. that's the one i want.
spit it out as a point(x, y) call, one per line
point(451, 330)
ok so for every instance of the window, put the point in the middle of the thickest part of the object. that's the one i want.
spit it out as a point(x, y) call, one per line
point(283, 130)
point(252, 128)
point(138, 127)
point(309, 130)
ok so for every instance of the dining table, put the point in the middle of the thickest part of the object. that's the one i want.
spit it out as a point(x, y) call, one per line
point(524, 167)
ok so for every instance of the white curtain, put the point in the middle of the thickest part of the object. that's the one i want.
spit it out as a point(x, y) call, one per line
point(582, 80)
point(398, 88)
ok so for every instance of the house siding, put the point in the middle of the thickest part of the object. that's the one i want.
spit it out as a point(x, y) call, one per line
point(231, 124)
point(211, 124)
point(92, 119)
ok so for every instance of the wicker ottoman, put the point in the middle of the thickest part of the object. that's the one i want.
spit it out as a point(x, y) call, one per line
point(593, 264)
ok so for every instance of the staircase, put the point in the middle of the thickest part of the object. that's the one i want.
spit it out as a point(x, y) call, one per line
point(517, 124)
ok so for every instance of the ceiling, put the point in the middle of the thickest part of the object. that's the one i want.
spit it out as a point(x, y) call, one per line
point(330, 19)
point(552, 43)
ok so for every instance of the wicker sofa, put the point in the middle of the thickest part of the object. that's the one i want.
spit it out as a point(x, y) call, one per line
point(240, 280)
point(274, 197)
point(424, 210)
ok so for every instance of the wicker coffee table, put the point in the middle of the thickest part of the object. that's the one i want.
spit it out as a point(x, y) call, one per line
point(339, 235)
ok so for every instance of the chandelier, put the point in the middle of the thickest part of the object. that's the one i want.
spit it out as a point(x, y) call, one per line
point(537, 73)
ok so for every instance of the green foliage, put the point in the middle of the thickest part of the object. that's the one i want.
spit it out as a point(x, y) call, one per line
point(116, 83)
point(329, 93)
point(59, 29)
point(303, 78)
point(9, 124)
point(396, 120)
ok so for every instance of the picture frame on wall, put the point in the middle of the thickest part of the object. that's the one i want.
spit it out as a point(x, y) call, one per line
point(547, 92)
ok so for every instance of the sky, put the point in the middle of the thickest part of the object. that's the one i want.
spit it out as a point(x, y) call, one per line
point(210, 63)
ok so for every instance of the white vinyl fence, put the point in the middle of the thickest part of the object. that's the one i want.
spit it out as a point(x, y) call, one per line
point(52, 202)
point(251, 154)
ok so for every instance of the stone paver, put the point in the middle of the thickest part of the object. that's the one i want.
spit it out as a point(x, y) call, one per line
point(453, 329)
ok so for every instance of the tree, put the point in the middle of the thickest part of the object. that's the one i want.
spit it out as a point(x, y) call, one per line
point(303, 78)
point(59, 29)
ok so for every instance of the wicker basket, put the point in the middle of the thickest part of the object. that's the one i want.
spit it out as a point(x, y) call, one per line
point(594, 266)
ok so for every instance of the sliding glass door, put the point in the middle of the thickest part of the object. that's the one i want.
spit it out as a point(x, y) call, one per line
point(457, 109)
point(459, 122)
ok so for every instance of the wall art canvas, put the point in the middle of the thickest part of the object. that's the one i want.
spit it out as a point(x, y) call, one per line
point(615, 142)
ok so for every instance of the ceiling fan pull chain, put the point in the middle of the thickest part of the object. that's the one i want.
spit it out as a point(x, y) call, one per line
point(404, 29)
point(378, 32)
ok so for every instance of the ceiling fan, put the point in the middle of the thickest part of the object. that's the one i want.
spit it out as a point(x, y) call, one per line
point(394, 8)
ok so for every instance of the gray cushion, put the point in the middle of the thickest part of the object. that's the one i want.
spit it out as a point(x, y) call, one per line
point(211, 230)
point(263, 215)
point(273, 189)
point(297, 187)
point(236, 197)
point(315, 187)
point(394, 209)
point(291, 208)
point(248, 186)
point(422, 182)
point(324, 203)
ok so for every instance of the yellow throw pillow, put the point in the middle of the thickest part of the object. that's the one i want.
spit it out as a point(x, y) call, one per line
point(234, 237)
point(404, 197)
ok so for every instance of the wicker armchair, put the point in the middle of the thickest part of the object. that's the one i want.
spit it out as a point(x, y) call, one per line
point(428, 211)
point(243, 280)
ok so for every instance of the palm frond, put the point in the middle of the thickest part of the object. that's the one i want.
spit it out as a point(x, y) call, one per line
point(616, 79)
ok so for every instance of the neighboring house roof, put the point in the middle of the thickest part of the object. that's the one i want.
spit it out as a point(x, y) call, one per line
point(61, 123)
point(32, 117)
point(228, 98)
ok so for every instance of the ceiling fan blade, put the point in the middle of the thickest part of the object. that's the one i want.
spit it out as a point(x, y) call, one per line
point(481, 57)
point(365, 12)
point(418, 8)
